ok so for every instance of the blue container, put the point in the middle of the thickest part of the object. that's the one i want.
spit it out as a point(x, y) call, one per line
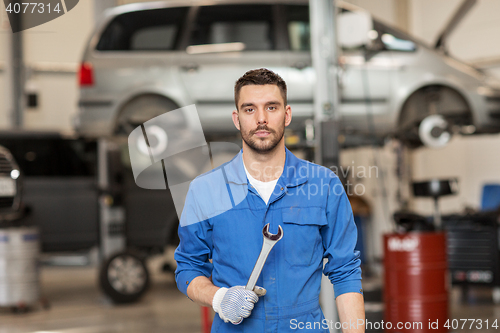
point(491, 197)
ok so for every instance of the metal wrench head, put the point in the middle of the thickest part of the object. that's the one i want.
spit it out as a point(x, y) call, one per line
point(273, 237)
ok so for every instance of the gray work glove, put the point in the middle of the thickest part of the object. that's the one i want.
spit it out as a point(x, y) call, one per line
point(236, 303)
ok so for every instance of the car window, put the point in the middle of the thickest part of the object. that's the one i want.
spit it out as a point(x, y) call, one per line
point(251, 25)
point(154, 38)
point(392, 39)
point(394, 43)
point(299, 34)
point(144, 30)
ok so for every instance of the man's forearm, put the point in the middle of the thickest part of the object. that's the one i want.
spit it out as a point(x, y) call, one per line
point(201, 290)
point(351, 310)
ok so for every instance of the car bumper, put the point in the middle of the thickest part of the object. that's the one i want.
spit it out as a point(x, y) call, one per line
point(94, 120)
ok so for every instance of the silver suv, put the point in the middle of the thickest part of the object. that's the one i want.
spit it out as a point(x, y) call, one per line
point(148, 58)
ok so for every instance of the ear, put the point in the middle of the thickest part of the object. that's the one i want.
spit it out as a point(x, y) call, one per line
point(236, 119)
point(288, 115)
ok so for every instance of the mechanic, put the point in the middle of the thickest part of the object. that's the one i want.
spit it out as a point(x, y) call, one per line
point(266, 183)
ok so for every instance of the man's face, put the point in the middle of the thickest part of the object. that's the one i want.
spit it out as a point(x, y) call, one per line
point(261, 116)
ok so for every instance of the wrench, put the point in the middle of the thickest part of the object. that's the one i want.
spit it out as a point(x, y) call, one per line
point(267, 245)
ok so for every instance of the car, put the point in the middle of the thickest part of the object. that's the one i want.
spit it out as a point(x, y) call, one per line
point(10, 187)
point(145, 59)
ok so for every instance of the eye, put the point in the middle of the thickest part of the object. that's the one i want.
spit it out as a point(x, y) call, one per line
point(272, 108)
point(249, 110)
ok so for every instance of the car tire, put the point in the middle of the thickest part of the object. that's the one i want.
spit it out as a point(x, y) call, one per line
point(139, 110)
point(124, 277)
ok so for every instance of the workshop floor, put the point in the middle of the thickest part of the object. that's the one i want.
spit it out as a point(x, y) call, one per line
point(76, 306)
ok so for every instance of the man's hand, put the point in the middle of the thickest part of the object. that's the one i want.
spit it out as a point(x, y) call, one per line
point(236, 303)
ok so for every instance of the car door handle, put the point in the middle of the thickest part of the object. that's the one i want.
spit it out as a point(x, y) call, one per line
point(192, 67)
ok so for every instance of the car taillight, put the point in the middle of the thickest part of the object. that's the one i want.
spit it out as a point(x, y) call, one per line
point(86, 74)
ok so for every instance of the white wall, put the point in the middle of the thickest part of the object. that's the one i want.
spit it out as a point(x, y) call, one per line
point(58, 42)
point(475, 37)
point(473, 160)
point(428, 17)
point(4, 30)
point(383, 9)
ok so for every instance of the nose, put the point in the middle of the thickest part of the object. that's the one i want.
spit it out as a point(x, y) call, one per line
point(261, 116)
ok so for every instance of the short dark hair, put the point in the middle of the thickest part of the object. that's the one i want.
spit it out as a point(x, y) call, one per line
point(259, 76)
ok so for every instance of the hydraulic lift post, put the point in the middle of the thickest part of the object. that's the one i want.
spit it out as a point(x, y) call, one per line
point(326, 95)
point(326, 112)
point(14, 69)
point(112, 216)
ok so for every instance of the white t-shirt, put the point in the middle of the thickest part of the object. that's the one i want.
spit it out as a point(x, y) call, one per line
point(265, 189)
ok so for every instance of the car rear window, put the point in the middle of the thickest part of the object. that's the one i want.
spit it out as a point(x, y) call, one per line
point(251, 25)
point(144, 30)
point(299, 35)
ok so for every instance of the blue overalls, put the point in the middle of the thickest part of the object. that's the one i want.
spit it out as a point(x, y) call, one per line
point(223, 219)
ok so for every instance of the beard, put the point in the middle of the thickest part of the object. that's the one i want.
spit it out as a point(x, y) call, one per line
point(265, 144)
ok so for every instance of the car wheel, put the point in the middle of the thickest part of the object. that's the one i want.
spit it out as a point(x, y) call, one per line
point(124, 277)
point(431, 101)
point(434, 131)
point(140, 110)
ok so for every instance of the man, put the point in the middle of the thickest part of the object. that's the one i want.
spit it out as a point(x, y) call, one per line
point(306, 200)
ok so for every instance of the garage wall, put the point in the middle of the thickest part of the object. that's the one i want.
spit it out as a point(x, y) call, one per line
point(4, 116)
point(428, 17)
point(473, 160)
point(4, 40)
point(383, 9)
point(53, 50)
point(473, 39)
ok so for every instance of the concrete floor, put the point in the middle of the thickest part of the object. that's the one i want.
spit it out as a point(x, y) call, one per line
point(77, 306)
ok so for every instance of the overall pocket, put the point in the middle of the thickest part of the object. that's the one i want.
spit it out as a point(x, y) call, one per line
point(301, 233)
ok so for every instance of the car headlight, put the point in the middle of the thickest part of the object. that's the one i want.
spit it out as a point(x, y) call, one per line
point(14, 174)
